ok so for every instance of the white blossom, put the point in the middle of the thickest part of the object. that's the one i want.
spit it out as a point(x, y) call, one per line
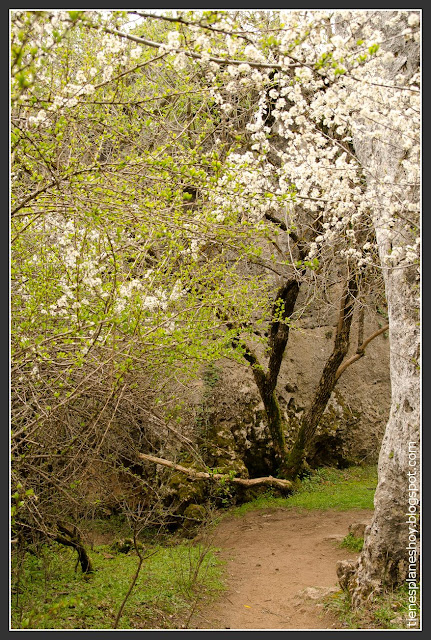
point(135, 52)
point(180, 61)
point(413, 20)
point(174, 40)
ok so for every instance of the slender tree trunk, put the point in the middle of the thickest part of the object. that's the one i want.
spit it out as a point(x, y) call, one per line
point(266, 382)
point(273, 415)
point(133, 581)
point(328, 380)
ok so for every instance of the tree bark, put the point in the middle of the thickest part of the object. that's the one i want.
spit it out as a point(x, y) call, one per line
point(385, 559)
point(72, 538)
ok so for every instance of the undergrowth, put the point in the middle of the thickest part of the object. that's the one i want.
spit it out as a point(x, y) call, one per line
point(386, 611)
point(325, 488)
point(48, 593)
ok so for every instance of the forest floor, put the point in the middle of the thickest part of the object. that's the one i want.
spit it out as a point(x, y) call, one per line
point(279, 565)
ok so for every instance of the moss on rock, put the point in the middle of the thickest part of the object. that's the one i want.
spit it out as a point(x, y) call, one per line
point(195, 512)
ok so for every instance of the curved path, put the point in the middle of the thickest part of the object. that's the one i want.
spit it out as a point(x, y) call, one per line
point(279, 563)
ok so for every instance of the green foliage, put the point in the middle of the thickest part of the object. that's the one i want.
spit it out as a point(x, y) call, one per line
point(324, 60)
point(124, 277)
point(373, 49)
point(222, 491)
point(352, 543)
point(51, 595)
point(75, 15)
point(211, 375)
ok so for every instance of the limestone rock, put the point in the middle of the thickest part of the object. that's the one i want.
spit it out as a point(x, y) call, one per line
point(357, 529)
point(316, 593)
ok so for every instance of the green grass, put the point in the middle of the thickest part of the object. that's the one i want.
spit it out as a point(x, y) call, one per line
point(387, 611)
point(326, 488)
point(51, 595)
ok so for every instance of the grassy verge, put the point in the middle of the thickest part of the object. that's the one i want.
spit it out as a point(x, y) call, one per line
point(51, 595)
point(388, 611)
point(326, 488)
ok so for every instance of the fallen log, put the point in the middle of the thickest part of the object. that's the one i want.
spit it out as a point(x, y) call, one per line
point(204, 475)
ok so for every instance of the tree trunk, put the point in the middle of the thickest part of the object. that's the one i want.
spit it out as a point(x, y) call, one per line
point(272, 408)
point(72, 538)
point(389, 555)
point(384, 561)
point(328, 380)
point(275, 423)
point(283, 308)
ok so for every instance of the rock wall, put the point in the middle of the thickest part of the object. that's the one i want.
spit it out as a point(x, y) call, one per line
point(231, 426)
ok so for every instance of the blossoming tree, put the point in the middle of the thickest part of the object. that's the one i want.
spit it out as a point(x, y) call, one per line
point(147, 160)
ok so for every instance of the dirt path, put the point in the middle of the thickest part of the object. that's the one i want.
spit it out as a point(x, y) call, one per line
point(272, 557)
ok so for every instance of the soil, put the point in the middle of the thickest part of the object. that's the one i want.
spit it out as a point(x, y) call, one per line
point(279, 565)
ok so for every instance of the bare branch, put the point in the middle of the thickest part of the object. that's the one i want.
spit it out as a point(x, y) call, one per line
point(192, 54)
point(203, 475)
point(360, 352)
